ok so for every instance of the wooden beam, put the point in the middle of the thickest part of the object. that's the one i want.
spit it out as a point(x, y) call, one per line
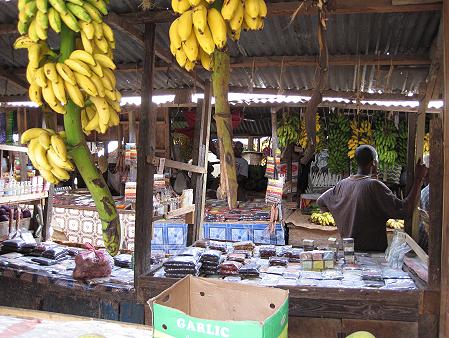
point(177, 165)
point(288, 8)
point(7, 75)
point(145, 170)
point(119, 23)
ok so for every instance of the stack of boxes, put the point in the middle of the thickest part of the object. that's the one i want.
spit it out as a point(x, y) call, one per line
point(318, 260)
point(348, 250)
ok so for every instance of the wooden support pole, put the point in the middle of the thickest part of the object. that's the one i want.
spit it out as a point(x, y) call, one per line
point(145, 170)
point(444, 310)
point(412, 118)
point(274, 131)
point(251, 143)
point(435, 201)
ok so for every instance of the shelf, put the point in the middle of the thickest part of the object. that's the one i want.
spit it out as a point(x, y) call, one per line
point(23, 198)
point(13, 148)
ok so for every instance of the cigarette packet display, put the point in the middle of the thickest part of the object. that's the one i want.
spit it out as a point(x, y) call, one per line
point(317, 265)
point(308, 244)
point(307, 265)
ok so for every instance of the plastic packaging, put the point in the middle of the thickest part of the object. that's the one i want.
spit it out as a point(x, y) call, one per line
point(246, 245)
point(250, 270)
point(92, 263)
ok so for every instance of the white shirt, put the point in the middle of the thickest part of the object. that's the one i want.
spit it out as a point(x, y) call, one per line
point(241, 166)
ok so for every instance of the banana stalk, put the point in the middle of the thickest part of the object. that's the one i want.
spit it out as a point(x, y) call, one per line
point(82, 158)
point(220, 82)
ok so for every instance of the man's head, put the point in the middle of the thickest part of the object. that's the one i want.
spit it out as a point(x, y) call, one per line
point(238, 149)
point(367, 160)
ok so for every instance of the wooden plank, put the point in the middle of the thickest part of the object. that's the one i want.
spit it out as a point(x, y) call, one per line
point(413, 2)
point(300, 327)
point(288, 8)
point(8, 147)
point(383, 329)
point(24, 198)
point(132, 313)
point(180, 212)
point(412, 118)
point(145, 170)
point(444, 308)
point(177, 165)
point(417, 249)
point(435, 201)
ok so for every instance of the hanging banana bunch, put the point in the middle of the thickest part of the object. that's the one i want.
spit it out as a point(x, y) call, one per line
point(303, 140)
point(339, 134)
point(288, 131)
point(77, 81)
point(87, 76)
point(385, 138)
point(361, 134)
point(202, 27)
point(426, 149)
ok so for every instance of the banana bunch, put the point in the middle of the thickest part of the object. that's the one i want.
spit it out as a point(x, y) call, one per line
point(361, 134)
point(86, 77)
point(48, 153)
point(303, 140)
point(385, 137)
point(200, 28)
point(36, 16)
point(426, 149)
point(339, 134)
point(322, 218)
point(401, 144)
point(288, 131)
point(395, 224)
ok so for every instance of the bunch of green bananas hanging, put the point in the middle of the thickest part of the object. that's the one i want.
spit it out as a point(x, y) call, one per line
point(395, 224)
point(87, 76)
point(288, 131)
point(401, 144)
point(361, 134)
point(202, 28)
point(426, 148)
point(322, 218)
point(303, 140)
point(385, 137)
point(48, 153)
point(339, 134)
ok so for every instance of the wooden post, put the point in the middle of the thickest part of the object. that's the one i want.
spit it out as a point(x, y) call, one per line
point(202, 134)
point(444, 313)
point(145, 169)
point(274, 131)
point(289, 171)
point(251, 143)
point(436, 201)
point(412, 118)
point(419, 144)
point(47, 214)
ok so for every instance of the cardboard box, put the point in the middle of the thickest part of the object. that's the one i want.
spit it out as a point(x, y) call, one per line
point(201, 307)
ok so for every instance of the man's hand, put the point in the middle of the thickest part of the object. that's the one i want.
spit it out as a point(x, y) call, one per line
point(420, 171)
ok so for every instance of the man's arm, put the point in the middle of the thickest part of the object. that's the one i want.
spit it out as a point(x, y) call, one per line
point(412, 198)
point(323, 200)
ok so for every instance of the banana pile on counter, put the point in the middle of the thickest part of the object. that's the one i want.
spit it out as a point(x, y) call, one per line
point(361, 134)
point(87, 76)
point(395, 224)
point(201, 27)
point(322, 218)
point(48, 153)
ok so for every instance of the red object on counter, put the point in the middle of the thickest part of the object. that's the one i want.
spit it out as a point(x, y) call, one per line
point(92, 263)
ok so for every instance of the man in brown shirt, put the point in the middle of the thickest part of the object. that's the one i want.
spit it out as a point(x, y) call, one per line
point(362, 205)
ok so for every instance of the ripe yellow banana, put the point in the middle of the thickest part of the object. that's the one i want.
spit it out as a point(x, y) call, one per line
point(78, 67)
point(23, 41)
point(30, 134)
point(104, 61)
point(41, 79)
point(32, 31)
point(206, 60)
point(49, 95)
point(48, 176)
point(114, 104)
point(100, 5)
point(75, 94)
point(180, 6)
point(91, 112)
point(108, 32)
point(69, 19)
point(205, 40)
point(34, 55)
point(78, 12)
point(252, 8)
point(98, 84)
point(34, 93)
point(185, 25)
point(175, 39)
point(98, 69)
point(59, 5)
point(93, 123)
point(194, 3)
point(102, 44)
point(66, 73)
point(42, 5)
point(84, 56)
point(199, 18)
point(59, 90)
point(102, 108)
point(251, 22)
point(181, 57)
point(59, 147)
point(114, 118)
point(60, 174)
point(189, 66)
point(217, 26)
point(190, 47)
point(31, 74)
point(44, 140)
point(228, 9)
point(59, 108)
point(40, 155)
point(30, 151)
point(110, 94)
point(262, 9)
point(106, 83)
point(88, 29)
point(236, 21)
point(86, 83)
point(94, 14)
point(54, 19)
point(50, 71)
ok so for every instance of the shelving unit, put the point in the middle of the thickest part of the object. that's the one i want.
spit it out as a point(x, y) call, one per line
point(25, 198)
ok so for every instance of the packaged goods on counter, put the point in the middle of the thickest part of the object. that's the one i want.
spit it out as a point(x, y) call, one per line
point(92, 263)
point(248, 254)
point(332, 244)
point(250, 270)
point(282, 261)
point(267, 251)
point(229, 268)
point(348, 245)
point(220, 246)
point(180, 266)
point(308, 244)
point(246, 245)
point(236, 257)
point(123, 261)
point(276, 270)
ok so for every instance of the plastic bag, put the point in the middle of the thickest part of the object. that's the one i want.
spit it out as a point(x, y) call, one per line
point(92, 263)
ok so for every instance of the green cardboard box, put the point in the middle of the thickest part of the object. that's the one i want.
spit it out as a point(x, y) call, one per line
point(204, 308)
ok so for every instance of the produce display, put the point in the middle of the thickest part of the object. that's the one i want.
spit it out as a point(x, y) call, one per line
point(323, 218)
point(385, 138)
point(204, 26)
point(361, 134)
point(288, 130)
point(339, 134)
point(320, 138)
point(76, 80)
point(48, 153)
point(426, 149)
point(395, 224)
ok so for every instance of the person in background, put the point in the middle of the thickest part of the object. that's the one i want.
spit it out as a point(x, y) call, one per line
point(423, 240)
point(241, 168)
point(361, 205)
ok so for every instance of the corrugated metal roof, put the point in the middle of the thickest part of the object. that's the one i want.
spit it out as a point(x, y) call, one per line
point(353, 34)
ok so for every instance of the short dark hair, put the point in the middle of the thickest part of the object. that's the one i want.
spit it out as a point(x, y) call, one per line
point(364, 155)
